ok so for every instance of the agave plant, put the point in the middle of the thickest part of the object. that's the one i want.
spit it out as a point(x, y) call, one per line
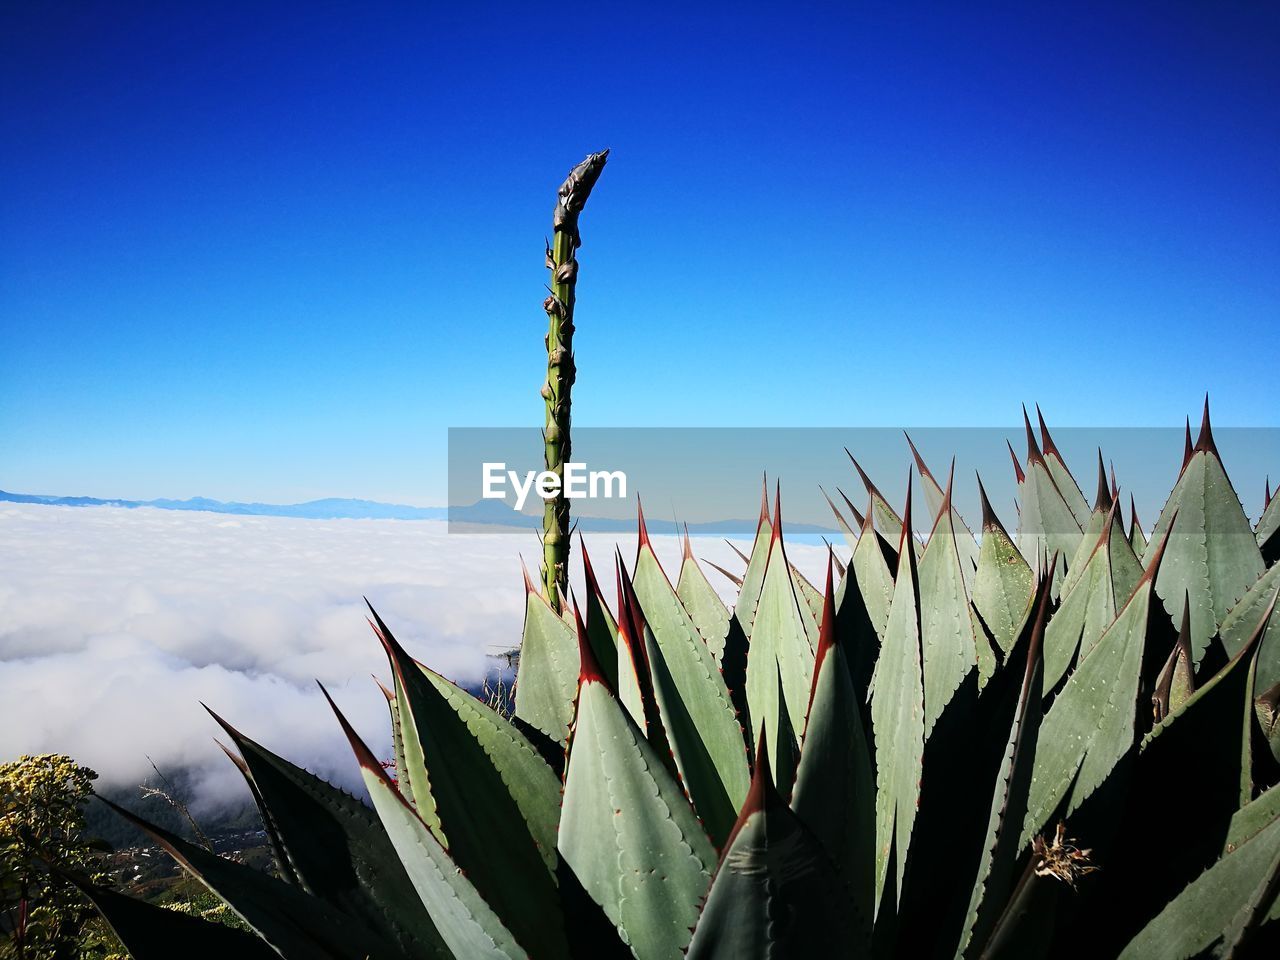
point(1057, 743)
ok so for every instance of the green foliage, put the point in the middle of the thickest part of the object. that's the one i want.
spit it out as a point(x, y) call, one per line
point(967, 746)
point(42, 914)
point(1000, 747)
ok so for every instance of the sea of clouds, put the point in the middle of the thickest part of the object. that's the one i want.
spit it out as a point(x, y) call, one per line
point(115, 624)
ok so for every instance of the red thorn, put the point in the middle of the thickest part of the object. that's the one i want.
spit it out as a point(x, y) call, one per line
point(589, 574)
point(364, 756)
point(761, 793)
point(232, 732)
point(989, 519)
point(1133, 516)
point(643, 532)
point(1103, 500)
point(688, 546)
point(946, 494)
point(866, 481)
point(777, 519)
point(1204, 443)
point(1187, 449)
point(589, 670)
point(1017, 467)
point(389, 694)
point(237, 760)
point(528, 580)
point(1033, 451)
point(1047, 441)
point(764, 501)
point(827, 629)
point(904, 543)
point(1267, 499)
point(1115, 487)
point(857, 514)
point(741, 556)
point(920, 464)
point(732, 578)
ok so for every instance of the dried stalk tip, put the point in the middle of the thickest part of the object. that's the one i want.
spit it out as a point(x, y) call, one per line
point(1061, 859)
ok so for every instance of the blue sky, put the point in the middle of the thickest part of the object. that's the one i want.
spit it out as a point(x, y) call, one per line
point(265, 252)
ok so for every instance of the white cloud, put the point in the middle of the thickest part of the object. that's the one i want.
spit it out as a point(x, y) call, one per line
point(116, 623)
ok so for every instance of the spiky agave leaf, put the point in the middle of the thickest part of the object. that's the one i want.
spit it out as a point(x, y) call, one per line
point(1220, 907)
point(463, 798)
point(1091, 723)
point(1066, 484)
point(467, 924)
point(937, 497)
point(545, 677)
point(780, 658)
point(355, 868)
point(1002, 588)
point(775, 892)
point(949, 645)
point(897, 716)
point(693, 701)
point(149, 932)
point(626, 830)
point(1048, 523)
point(1213, 556)
point(295, 923)
point(1107, 574)
point(835, 787)
point(707, 610)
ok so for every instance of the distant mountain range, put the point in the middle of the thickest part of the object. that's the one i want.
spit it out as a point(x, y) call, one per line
point(481, 513)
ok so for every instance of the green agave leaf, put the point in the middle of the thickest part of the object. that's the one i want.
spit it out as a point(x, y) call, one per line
point(1213, 556)
point(1105, 516)
point(1048, 523)
point(1267, 532)
point(1253, 818)
point(782, 645)
point(1192, 768)
point(527, 777)
point(753, 578)
point(693, 701)
point(1107, 576)
point(149, 932)
point(470, 808)
point(1002, 587)
point(1002, 848)
point(545, 677)
point(705, 608)
point(835, 787)
point(397, 743)
point(1090, 725)
point(466, 923)
point(884, 518)
point(1177, 680)
point(1137, 539)
point(965, 543)
point(335, 847)
point(850, 537)
point(626, 830)
point(1218, 906)
point(296, 924)
point(874, 575)
point(775, 893)
point(1071, 493)
point(602, 628)
point(808, 593)
point(950, 648)
point(897, 717)
point(1239, 624)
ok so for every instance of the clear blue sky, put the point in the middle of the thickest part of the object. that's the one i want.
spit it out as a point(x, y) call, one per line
point(258, 252)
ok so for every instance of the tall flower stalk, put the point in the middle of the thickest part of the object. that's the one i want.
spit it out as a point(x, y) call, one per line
point(557, 391)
